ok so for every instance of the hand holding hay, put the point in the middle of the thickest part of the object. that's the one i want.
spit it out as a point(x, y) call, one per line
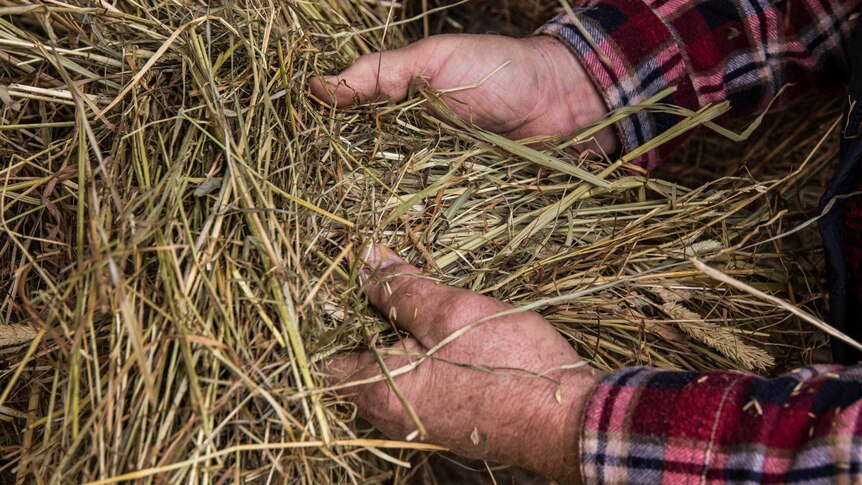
point(516, 87)
point(507, 389)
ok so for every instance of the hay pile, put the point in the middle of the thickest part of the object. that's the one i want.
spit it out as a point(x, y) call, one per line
point(178, 217)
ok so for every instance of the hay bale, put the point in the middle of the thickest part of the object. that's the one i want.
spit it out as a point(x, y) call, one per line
point(177, 220)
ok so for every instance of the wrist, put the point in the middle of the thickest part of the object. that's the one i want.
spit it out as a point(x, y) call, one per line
point(553, 447)
point(582, 102)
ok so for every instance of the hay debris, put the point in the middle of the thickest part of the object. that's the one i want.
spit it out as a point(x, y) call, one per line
point(15, 334)
point(719, 337)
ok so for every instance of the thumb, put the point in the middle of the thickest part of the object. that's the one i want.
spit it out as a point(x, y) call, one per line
point(384, 76)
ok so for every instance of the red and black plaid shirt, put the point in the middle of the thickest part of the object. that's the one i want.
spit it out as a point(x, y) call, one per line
point(743, 51)
point(647, 425)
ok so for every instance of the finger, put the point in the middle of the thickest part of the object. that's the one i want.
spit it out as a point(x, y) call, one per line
point(376, 402)
point(428, 310)
point(360, 366)
point(385, 76)
point(347, 367)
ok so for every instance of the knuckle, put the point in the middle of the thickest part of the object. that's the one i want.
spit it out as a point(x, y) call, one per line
point(405, 285)
point(364, 66)
point(477, 305)
point(364, 59)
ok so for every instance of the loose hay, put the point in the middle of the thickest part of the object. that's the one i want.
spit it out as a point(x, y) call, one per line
point(177, 222)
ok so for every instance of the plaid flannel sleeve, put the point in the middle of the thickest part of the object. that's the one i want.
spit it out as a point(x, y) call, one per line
point(743, 51)
point(645, 425)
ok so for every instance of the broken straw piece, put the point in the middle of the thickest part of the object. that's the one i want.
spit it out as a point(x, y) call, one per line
point(16, 334)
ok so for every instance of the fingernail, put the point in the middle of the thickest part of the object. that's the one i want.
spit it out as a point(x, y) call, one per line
point(365, 267)
point(377, 257)
point(385, 257)
point(367, 257)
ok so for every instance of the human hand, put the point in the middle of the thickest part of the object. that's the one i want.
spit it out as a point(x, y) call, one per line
point(516, 87)
point(507, 390)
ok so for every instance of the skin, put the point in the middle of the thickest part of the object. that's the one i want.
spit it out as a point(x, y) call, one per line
point(511, 389)
point(500, 381)
point(542, 90)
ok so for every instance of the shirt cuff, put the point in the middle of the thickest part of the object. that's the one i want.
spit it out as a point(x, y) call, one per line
point(635, 57)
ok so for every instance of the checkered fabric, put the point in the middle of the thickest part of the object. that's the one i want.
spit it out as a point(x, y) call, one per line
point(645, 425)
point(743, 51)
